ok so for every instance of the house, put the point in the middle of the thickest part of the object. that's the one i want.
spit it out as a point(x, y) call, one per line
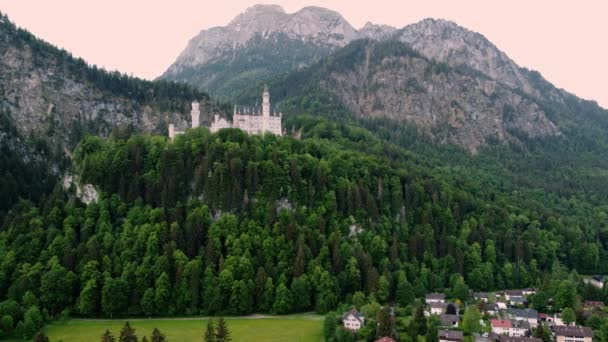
point(589, 304)
point(518, 300)
point(353, 320)
point(519, 328)
point(450, 336)
point(435, 298)
point(572, 334)
point(551, 320)
point(500, 326)
point(596, 280)
point(519, 339)
point(449, 320)
point(501, 305)
point(385, 339)
point(490, 309)
point(513, 293)
point(529, 315)
point(528, 291)
point(436, 308)
point(481, 296)
point(511, 328)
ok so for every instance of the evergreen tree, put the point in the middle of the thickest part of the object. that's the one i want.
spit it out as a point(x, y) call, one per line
point(283, 301)
point(107, 337)
point(40, 337)
point(432, 334)
point(418, 324)
point(385, 323)
point(127, 334)
point(157, 336)
point(222, 334)
point(210, 332)
point(330, 324)
point(542, 331)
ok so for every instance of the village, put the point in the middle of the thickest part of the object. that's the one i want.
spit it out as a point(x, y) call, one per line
point(506, 316)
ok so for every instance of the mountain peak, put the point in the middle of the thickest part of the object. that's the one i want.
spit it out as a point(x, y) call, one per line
point(265, 8)
point(376, 31)
point(445, 41)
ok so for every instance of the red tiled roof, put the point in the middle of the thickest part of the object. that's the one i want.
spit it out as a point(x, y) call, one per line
point(500, 323)
point(594, 304)
point(385, 339)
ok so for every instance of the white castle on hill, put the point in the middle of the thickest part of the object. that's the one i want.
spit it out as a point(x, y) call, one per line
point(253, 120)
point(195, 113)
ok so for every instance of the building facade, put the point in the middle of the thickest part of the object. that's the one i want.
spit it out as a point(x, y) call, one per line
point(572, 334)
point(253, 120)
point(353, 320)
point(195, 116)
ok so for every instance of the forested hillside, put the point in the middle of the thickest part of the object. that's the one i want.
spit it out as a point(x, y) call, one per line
point(234, 224)
point(570, 160)
point(50, 100)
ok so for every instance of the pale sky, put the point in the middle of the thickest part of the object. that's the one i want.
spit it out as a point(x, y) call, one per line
point(566, 41)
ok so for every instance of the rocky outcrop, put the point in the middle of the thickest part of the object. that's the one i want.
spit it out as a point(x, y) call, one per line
point(445, 41)
point(376, 32)
point(52, 96)
point(388, 80)
point(312, 24)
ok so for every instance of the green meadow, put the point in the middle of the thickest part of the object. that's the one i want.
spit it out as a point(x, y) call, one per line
point(302, 328)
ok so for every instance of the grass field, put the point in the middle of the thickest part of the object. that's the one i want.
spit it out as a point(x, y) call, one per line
point(303, 328)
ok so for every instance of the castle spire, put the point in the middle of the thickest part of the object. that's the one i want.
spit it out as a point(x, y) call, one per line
point(266, 102)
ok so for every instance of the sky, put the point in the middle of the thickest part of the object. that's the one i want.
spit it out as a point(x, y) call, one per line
point(566, 41)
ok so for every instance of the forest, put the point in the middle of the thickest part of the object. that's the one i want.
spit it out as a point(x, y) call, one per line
point(233, 224)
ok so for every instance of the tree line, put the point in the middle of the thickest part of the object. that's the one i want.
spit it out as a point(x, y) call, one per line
point(228, 223)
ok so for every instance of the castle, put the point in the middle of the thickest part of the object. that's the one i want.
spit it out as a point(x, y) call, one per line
point(195, 113)
point(253, 120)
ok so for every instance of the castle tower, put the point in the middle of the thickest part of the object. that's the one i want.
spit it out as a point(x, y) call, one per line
point(266, 102)
point(171, 131)
point(196, 114)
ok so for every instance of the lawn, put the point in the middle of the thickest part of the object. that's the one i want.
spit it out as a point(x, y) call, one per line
point(304, 328)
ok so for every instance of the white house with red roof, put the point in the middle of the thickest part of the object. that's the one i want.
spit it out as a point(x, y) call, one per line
point(353, 320)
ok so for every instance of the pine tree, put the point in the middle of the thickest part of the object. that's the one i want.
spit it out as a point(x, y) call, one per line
point(210, 332)
point(40, 337)
point(127, 334)
point(385, 323)
point(108, 337)
point(157, 336)
point(222, 334)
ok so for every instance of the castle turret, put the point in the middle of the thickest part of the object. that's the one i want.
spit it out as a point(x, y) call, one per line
point(266, 102)
point(171, 131)
point(196, 114)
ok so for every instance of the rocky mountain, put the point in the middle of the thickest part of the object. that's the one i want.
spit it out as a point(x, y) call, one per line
point(377, 32)
point(389, 80)
point(262, 42)
point(445, 41)
point(49, 100)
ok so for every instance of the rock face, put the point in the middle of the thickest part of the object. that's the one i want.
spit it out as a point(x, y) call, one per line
point(49, 100)
point(377, 32)
point(454, 45)
point(388, 79)
point(52, 96)
point(261, 43)
point(313, 24)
